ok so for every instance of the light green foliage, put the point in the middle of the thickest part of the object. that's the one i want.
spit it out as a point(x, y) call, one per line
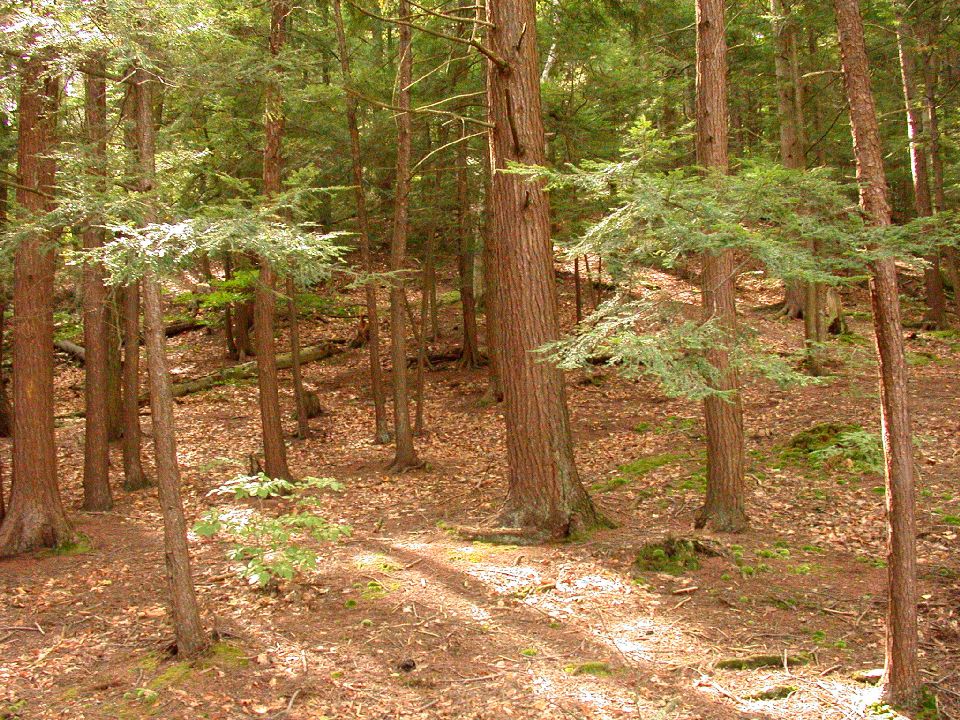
point(637, 469)
point(594, 668)
point(837, 445)
point(671, 556)
point(270, 548)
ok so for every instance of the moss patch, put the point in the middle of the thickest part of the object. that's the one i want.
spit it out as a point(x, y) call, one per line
point(597, 669)
point(753, 662)
point(674, 556)
point(637, 469)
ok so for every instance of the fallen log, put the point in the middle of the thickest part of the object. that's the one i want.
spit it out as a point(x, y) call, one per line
point(243, 371)
point(76, 352)
point(248, 370)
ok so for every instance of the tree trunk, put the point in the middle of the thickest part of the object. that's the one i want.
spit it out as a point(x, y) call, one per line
point(802, 298)
point(35, 516)
point(382, 430)
point(299, 393)
point(133, 476)
point(114, 372)
point(491, 274)
point(901, 680)
point(545, 496)
point(470, 357)
point(936, 315)
point(183, 598)
point(233, 352)
point(406, 455)
point(242, 321)
point(274, 450)
point(725, 504)
point(96, 454)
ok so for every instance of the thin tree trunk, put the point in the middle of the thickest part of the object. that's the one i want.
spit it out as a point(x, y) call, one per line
point(470, 355)
point(406, 455)
point(233, 351)
point(901, 681)
point(274, 450)
point(382, 429)
point(545, 497)
point(577, 290)
point(35, 516)
point(97, 495)
point(114, 371)
point(725, 504)
point(936, 315)
point(299, 393)
point(183, 597)
point(491, 275)
point(134, 477)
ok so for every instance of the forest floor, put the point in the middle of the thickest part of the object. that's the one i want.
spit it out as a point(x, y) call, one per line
point(401, 619)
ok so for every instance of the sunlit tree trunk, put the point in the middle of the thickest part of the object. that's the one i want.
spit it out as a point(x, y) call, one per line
point(545, 496)
point(725, 504)
point(35, 516)
point(901, 680)
point(134, 477)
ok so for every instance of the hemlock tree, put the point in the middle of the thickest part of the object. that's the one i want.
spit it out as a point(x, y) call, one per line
point(96, 453)
point(274, 450)
point(724, 508)
point(406, 454)
point(545, 497)
point(183, 596)
point(35, 516)
point(381, 426)
point(901, 680)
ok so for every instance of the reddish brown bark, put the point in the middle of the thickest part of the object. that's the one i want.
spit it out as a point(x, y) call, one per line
point(183, 597)
point(725, 504)
point(96, 454)
point(470, 352)
point(274, 450)
point(406, 454)
point(491, 276)
point(134, 477)
point(545, 497)
point(35, 515)
point(901, 681)
point(382, 430)
point(114, 371)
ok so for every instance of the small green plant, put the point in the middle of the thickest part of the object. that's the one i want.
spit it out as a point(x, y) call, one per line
point(262, 487)
point(597, 669)
point(837, 444)
point(637, 469)
point(530, 652)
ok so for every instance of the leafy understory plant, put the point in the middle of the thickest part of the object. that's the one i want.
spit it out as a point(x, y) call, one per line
point(269, 549)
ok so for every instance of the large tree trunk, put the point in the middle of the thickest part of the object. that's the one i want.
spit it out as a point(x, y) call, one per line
point(545, 497)
point(96, 454)
point(35, 516)
point(725, 504)
point(183, 597)
point(382, 429)
point(274, 450)
point(901, 680)
point(936, 315)
point(406, 455)
point(133, 476)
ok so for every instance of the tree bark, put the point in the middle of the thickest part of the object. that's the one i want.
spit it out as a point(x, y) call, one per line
point(114, 371)
point(936, 315)
point(35, 516)
point(274, 450)
point(725, 504)
point(901, 681)
point(545, 497)
point(183, 597)
point(134, 477)
point(491, 275)
point(97, 495)
point(406, 455)
point(381, 427)
point(470, 357)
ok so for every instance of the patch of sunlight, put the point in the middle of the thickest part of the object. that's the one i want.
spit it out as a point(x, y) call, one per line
point(478, 613)
point(506, 579)
point(607, 701)
point(376, 561)
point(595, 584)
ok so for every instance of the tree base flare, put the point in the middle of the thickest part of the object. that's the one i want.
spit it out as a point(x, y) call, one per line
point(728, 520)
